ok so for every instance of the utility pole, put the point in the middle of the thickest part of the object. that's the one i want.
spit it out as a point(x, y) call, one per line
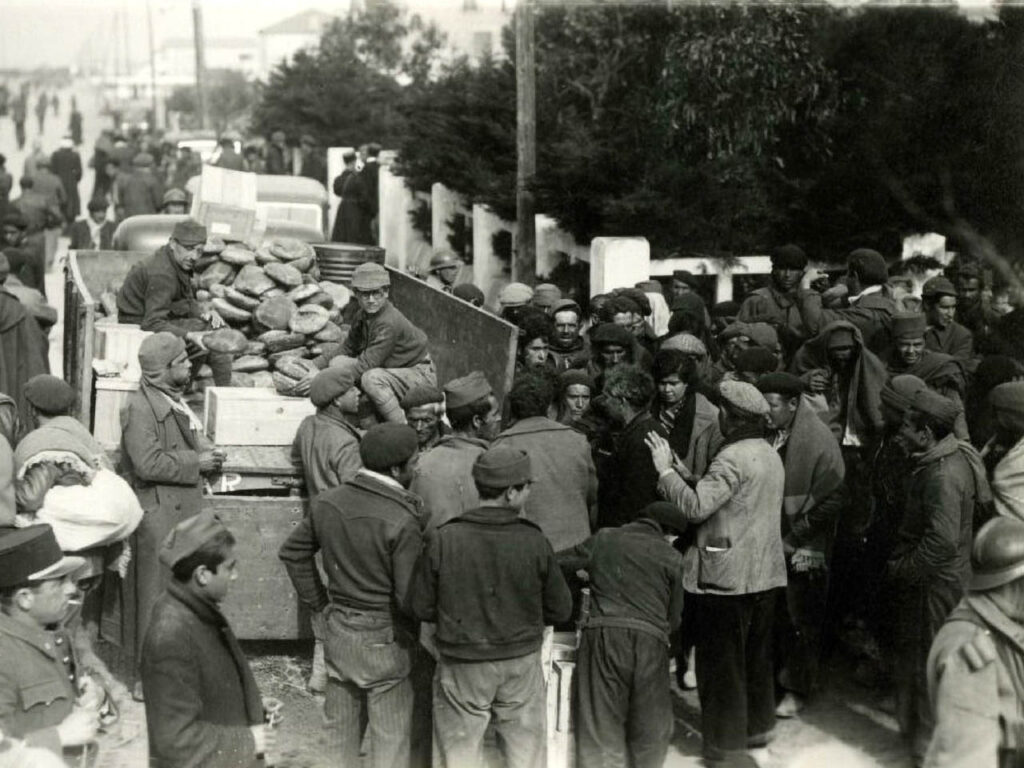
point(152, 65)
point(197, 27)
point(524, 261)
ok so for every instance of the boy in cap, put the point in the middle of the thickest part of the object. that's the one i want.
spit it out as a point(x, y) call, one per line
point(491, 582)
point(203, 707)
point(944, 333)
point(368, 531)
point(43, 698)
point(391, 353)
point(424, 407)
point(443, 477)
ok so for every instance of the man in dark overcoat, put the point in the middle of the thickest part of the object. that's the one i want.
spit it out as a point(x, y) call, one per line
point(352, 222)
point(23, 346)
point(67, 165)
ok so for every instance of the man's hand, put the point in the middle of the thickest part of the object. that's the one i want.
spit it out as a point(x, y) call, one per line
point(661, 451)
point(79, 728)
point(91, 694)
point(265, 738)
point(210, 461)
point(196, 338)
point(302, 386)
point(817, 380)
point(214, 319)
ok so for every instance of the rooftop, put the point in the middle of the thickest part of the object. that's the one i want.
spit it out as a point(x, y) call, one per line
point(305, 23)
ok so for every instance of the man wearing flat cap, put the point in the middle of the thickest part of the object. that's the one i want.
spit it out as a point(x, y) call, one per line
point(929, 567)
point(511, 299)
point(568, 348)
point(23, 346)
point(368, 531)
point(443, 476)
point(203, 707)
point(976, 663)
point(777, 303)
point(733, 571)
point(424, 407)
point(490, 581)
point(624, 704)
point(43, 697)
point(944, 333)
point(158, 294)
point(164, 456)
point(810, 508)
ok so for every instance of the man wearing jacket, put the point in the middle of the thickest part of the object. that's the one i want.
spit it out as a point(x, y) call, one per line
point(203, 708)
point(491, 582)
point(369, 533)
point(95, 232)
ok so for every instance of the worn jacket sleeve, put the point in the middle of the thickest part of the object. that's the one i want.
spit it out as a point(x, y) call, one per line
point(711, 493)
point(151, 462)
point(160, 291)
point(557, 598)
point(297, 555)
point(423, 592)
point(406, 550)
point(174, 710)
point(819, 519)
point(816, 317)
point(345, 462)
point(576, 558)
point(941, 506)
point(379, 345)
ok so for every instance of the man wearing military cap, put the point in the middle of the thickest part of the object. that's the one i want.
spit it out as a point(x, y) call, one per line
point(944, 333)
point(203, 707)
point(976, 663)
point(43, 697)
point(368, 531)
point(158, 294)
point(489, 639)
point(929, 567)
point(444, 269)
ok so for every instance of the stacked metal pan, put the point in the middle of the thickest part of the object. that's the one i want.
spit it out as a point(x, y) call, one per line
point(338, 260)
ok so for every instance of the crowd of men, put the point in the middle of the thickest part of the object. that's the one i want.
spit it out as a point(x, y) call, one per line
point(742, 490)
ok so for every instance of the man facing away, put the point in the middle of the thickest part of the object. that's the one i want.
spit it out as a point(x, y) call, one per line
point(490, 581)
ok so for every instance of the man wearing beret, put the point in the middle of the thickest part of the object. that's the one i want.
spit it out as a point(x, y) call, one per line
point(203, 707)
point(776, 304)
point(929, 567)
point(944, 333)
point(975, 675)
point(43, 698)
point(813, 499)
point(158, 294)
point(423, 408)
point(23, 346)
point(368, 531)
point(164, 456)
point(568, 348)
point(623, 699)
point(733, 571)
point(443, 478)
point(491, 582)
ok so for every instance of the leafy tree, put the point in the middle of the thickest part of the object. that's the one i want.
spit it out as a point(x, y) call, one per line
point(229, 99)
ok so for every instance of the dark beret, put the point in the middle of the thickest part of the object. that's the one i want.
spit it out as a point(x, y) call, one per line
point(869, 265)
point(610, 333)
point(789, 257)
point(387, 445)
point(49, 394)
point(685, 276)
point(781, 383)
point(756, 360)
point(419, 396)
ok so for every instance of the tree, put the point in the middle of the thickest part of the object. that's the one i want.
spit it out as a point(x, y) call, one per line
point(230, 98)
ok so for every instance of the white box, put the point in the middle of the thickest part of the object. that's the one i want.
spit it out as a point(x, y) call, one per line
point(243, 416)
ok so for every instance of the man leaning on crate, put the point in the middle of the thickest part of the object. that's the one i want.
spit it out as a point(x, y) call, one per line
point(158, 295)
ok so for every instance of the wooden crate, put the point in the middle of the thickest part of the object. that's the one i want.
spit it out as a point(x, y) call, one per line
point(242, 416)
point(111, 394)
point(225, 202)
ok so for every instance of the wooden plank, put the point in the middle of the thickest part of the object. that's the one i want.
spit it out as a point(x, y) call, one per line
point(461, 337)
point(262, 605)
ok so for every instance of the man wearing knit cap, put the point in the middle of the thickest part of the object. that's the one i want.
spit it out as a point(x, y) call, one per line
point(624, 704)
point(203, 706)
point(944, 333)
point(23, 346)
point(871, 303)
point(368, 531)
point(164, 455)
point(974, 667)
point(733, 571)
point(158, 294)
point(423, 408)
point(568, 348)
point(443, 476)
point(491, 582)
point(929, 567)
point(813, 499)
point(776, 304)
point(391, 353)
point(1007, 401)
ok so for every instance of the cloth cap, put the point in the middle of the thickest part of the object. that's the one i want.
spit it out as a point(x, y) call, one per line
point(419, 396)
point(189, 232)
point(142, 160)
point(175, 195)
point(610, 333)
point(650, 286)
point(574, 377)
point(188, 536)
point(936, 287)
point(1008, 397)
point(468, 292)
point(443, 258)
point(725, 309)
point(756, 360)
point(789, 257)
point(157, 351)
point(900, 391)
point(685, 276)
point(764, 335)
point(97, 204)
point(333, 381)
point(502, 467)
point(664, 514)
point(935, 405)
point(546, 294)
point(466, 389)
point(686, 343)
point(909, 325)
point(841, 337)
point(370, 276)
point(780, 383)
point(565, 305)
point(869, 265)
point(733, 330)
point(49, 394)
point(387, 445)
point(515, 295)
point(33, 554)
point(997, 555)
point(743, 397)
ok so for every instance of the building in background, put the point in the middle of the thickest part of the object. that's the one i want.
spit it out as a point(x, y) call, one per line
point(281, 41)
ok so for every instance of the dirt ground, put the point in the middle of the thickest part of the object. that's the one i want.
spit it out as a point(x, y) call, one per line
point(843, 728)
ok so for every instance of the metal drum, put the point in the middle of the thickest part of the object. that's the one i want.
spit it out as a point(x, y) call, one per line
point(338, 260)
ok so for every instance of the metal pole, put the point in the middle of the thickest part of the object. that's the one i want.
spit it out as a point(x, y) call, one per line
point(525, 259)
point(197, 27)
point(152, 64)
